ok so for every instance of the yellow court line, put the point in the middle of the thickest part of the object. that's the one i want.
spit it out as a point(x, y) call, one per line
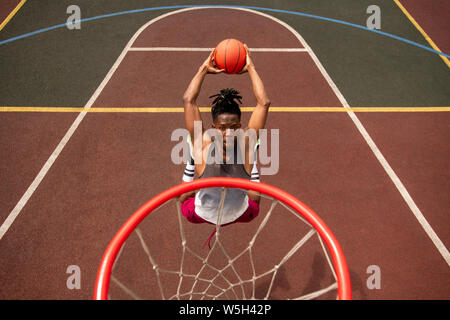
point(414, 22)
point(208, 109)
point(401, 109)
point(40, 109)
point(11, 15)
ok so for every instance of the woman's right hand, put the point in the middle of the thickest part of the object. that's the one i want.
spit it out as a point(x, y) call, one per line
point(208, 65)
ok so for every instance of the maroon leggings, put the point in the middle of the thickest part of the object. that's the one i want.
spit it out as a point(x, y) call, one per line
point(188, 210)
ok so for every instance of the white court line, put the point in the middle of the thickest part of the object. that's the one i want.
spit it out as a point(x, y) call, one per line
point(180, 49)
point(395, 179)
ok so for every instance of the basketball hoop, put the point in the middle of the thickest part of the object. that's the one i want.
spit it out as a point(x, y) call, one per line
point(338, 263)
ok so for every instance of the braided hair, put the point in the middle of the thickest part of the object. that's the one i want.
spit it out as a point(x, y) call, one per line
point(224, 102)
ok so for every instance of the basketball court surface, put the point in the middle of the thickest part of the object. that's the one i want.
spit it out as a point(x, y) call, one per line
point(86, 118)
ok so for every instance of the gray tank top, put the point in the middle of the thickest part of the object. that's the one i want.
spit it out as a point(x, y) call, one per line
point(236, 200)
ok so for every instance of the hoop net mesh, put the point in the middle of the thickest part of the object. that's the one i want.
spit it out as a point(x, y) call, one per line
point(255, 260)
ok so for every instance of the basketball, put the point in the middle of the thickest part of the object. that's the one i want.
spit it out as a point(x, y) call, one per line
point(230, 55)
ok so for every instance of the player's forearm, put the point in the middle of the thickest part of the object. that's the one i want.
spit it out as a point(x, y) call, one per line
point(259, 91)
point(195, 85)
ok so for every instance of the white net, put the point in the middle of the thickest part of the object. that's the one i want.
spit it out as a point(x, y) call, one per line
point(250, 262)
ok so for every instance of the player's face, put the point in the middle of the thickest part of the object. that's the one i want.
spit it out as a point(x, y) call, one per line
point(226, 123)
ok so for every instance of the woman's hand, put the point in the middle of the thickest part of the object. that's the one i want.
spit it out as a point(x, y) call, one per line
point(248, 62)
point(209, 66)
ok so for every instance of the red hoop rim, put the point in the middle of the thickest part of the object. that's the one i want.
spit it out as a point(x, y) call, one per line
point(337, 255)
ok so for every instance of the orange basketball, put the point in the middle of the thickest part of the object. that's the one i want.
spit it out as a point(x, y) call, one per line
point(230, 55)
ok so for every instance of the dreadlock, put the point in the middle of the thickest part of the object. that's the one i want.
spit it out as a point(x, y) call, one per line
point(224, 102)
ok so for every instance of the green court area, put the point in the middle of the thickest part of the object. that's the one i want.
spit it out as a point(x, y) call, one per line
point(62, 67)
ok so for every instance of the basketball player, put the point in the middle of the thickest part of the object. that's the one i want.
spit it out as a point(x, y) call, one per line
point(239, 205)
